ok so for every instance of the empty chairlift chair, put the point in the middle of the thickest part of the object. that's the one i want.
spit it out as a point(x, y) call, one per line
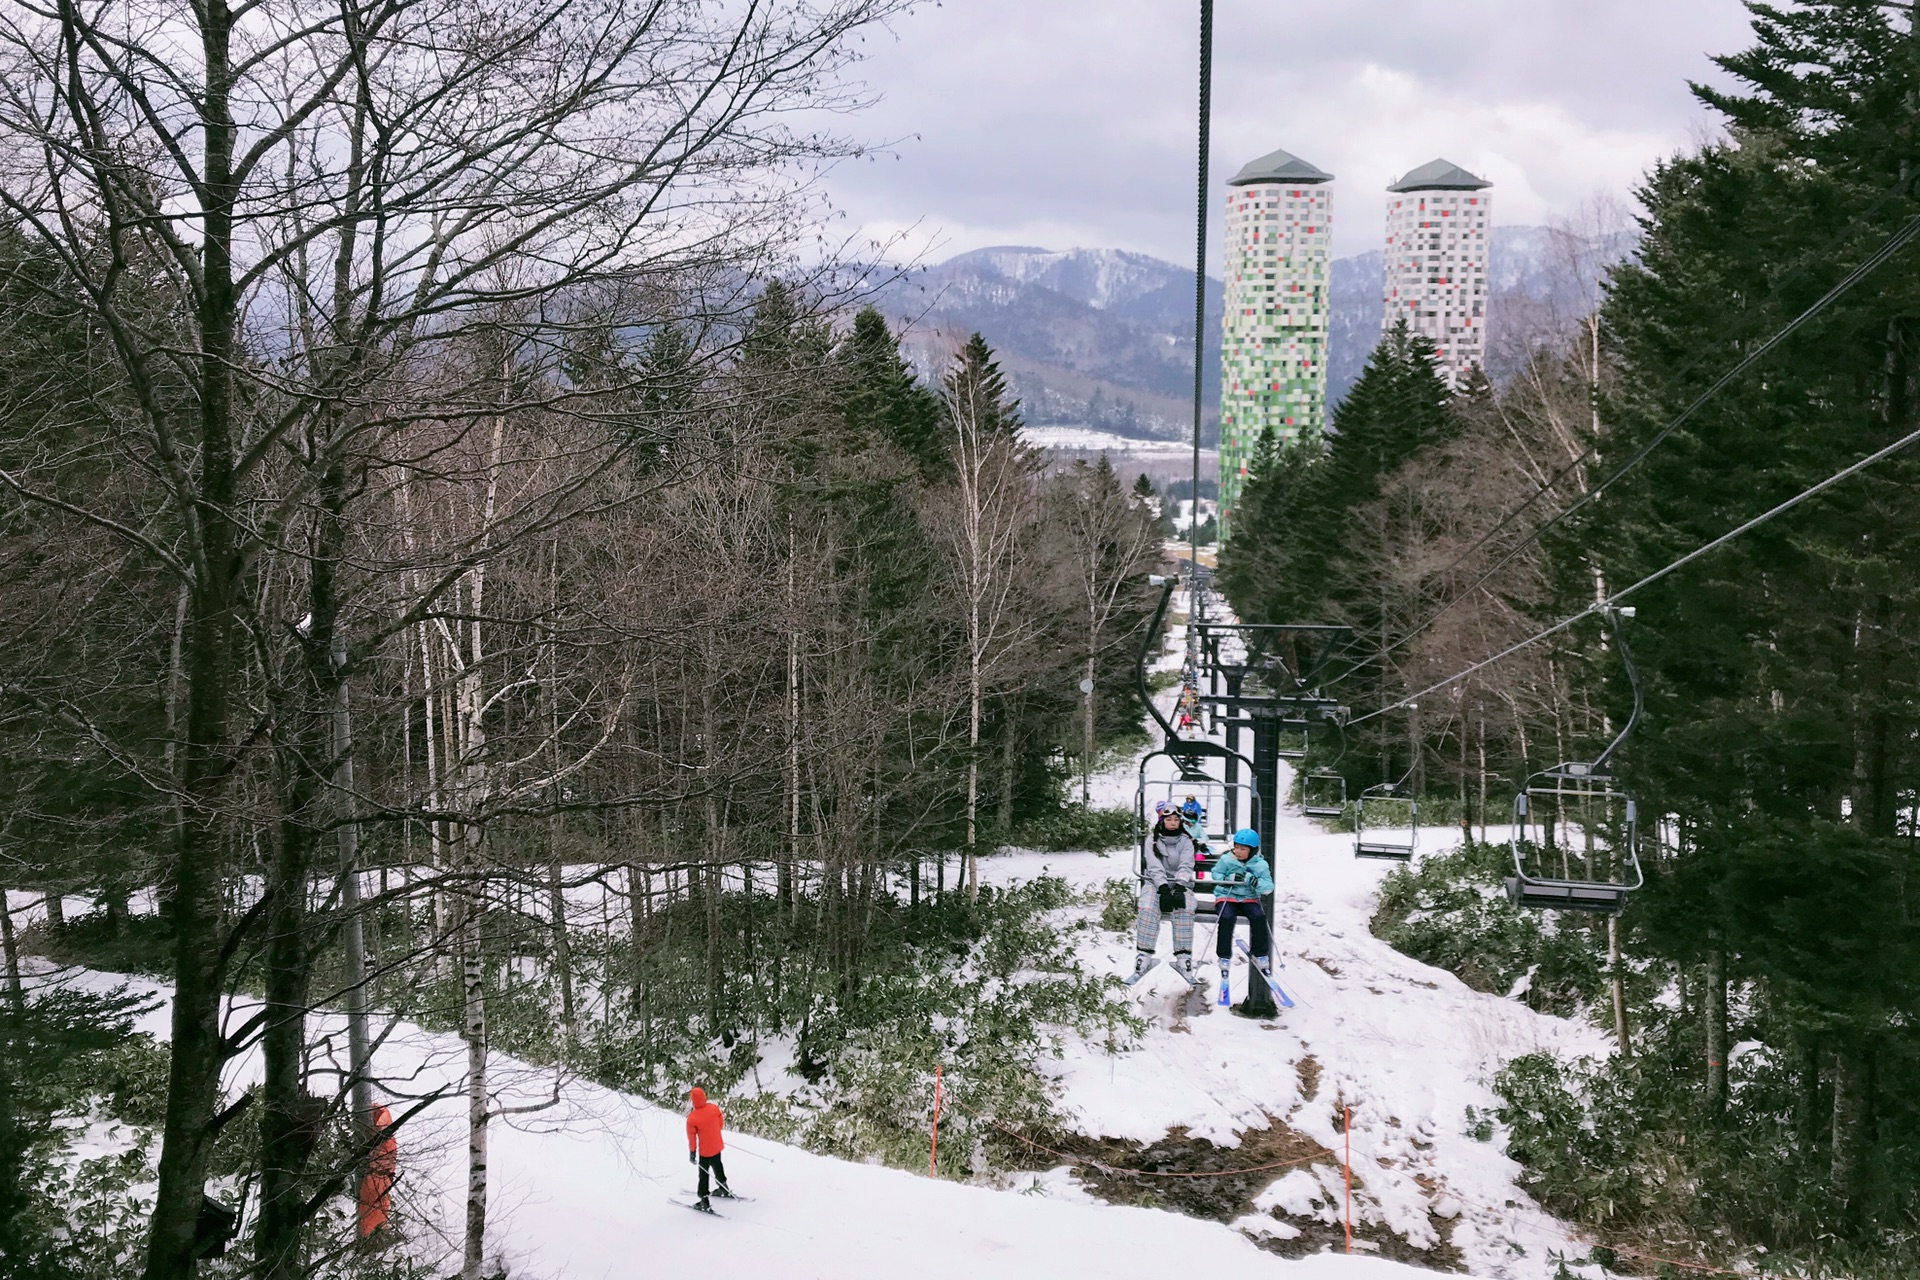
point(1575, 832)
point(1386, 823)
point(1575, 839)
point(1323, 795)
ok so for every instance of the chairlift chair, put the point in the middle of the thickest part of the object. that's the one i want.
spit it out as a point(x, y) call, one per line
point(1597, 828)
point(1323, 794)
point(1596, 854)
point(1226, 806)
point(1386, 823)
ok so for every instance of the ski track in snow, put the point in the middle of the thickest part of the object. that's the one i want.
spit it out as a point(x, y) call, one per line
point(581, 1189)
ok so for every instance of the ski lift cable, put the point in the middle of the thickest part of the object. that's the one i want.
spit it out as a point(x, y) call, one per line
point(1705, 548)
point(1554, 480)
point(1200, 282)
point(1894, 243)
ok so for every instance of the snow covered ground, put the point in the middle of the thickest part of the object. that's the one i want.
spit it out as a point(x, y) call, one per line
point(583, 1181)
point(1407, 1047)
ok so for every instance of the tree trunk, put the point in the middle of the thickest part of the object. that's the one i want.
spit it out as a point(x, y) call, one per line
point(791, 855)
point(1849, 1123)
point(1619, 985)
point(1714, 1010)
point(973, 768)
point(16, 994)
point(474, 1027)
point(196, 1049)
point(556, 873)
point(354, 934)
point(1483, 779)
point(639, 913)
point(1417, 768)
point(1086, 742)
point(1806, 1100)
point(1009, 739)
point(285, 1141)
point(313, 734)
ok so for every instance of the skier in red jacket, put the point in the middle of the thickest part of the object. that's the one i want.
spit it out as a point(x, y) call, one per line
point(376, 1189)
point(704, 1146)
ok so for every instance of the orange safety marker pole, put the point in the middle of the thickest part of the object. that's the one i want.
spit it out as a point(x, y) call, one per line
point(933, 1156)
point(1349, 1112)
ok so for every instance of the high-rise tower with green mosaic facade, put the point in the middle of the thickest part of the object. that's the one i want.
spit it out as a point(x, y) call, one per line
point(1273, 353)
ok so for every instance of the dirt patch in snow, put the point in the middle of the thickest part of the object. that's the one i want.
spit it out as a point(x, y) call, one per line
point(1330, 1237)
point(1120, 1171)
point(1124, 1172)
point(1308, 1071)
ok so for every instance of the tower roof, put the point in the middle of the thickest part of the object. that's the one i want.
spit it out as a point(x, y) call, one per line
point(1278, 166)
point(1439, 175)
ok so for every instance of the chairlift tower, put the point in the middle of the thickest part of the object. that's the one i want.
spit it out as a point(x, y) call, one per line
point(1255, 679)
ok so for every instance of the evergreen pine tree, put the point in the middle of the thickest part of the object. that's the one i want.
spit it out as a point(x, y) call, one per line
point(883, 397)
point(1782, 710)
point(975, 381)
point(1285, 561)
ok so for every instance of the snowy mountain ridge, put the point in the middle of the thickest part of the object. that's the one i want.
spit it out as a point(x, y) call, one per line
point(1100, 278)
point(1102, 339)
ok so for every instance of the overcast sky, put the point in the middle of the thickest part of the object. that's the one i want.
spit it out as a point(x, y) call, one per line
point(1071, 122)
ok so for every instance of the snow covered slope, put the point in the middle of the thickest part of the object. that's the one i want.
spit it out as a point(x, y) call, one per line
point(1407, 1047)
point(583, 1180)
point(586, 1197)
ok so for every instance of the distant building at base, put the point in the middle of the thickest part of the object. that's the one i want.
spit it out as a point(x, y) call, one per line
point(1436, 277)
point(1273, 351)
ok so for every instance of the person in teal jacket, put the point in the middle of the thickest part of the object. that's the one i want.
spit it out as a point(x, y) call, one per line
point(1241, 878)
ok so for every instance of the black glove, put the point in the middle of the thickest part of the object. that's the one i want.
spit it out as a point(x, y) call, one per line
point(1172, 898)
point(692, 1158)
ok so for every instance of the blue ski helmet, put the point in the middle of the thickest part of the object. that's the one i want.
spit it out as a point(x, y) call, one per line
point(1247, 836)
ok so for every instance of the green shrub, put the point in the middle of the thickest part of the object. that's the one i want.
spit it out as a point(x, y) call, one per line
point(1451, 911)
point(1119, 905)
point(1076, 826)
point(1619, 1146)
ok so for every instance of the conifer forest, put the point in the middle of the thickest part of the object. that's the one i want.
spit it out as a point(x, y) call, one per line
point(502, 623)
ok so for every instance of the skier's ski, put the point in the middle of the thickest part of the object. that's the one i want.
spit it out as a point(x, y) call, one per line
point(1134, 979)
point(1286, 1001)
point(725, 1195)
point(695, 1206)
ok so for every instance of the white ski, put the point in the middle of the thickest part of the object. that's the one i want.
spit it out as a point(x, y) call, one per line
point(695, 1206)
point(1286, 1001)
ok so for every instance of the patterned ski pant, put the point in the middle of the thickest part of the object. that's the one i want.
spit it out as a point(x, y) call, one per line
point(1146, 926)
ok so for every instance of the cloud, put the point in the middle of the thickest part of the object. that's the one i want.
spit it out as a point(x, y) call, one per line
point(1071, 122)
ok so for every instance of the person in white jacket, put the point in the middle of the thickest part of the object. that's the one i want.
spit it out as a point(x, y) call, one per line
point(1166, 889)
